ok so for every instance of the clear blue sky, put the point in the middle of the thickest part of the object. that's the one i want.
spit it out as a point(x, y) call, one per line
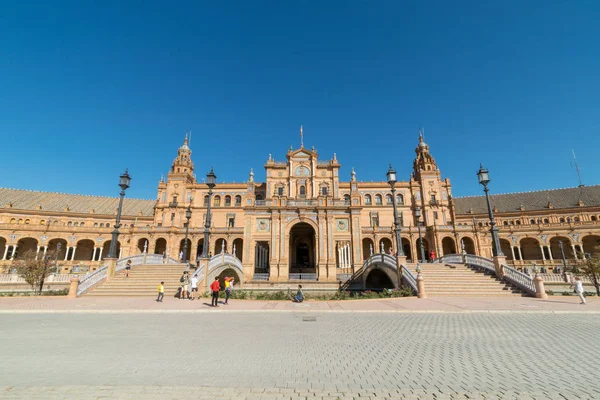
point(90, 88)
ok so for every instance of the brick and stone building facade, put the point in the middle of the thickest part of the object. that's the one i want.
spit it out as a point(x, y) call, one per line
point(303, 219)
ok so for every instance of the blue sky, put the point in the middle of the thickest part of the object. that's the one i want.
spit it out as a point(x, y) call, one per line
point(90, 88)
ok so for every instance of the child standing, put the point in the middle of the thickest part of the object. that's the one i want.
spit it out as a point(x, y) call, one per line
point(161, 292)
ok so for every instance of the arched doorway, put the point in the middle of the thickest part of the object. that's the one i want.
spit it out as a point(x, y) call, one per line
point(505, 247)
point(378, 280)
point(386, 245)
point(2, 247)
point(367, 248)
point(590, 244)
point(407, 249)
point(187, 251)
point(448, 246)
point(26, 245)
point(468, 245)
point(555, 247)
point(238, 245)
point(425, 247)
point(220, 246)
point(85, 250)
point(160, 246)
point(530, 249)
point(302, 248)
point(141, 244)
point(199, 248)
point(106, 249)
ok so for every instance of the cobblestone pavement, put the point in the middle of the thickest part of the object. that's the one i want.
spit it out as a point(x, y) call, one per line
point(300, 356)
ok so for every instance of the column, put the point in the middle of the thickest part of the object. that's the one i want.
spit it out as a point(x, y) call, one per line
point(5, 252)
point(37, 252)
point(45, 251)
point(94, 254)
point(339, 252)
point(73, 254)
point(14, 251)
point(543, 255)
point(574, 251)
point(67, 253)
point(512, 250)
point(121, 252)
point(550, 253)
point(520, 254)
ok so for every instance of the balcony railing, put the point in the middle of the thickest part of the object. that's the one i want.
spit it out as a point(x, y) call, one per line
point(303, 277)
point(261, 277)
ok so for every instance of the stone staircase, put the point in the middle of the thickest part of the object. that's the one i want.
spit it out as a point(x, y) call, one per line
point(461, 280)
point(143, 281)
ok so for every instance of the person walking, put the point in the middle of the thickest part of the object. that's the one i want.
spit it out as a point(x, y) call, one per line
point(228, 288)
point(127, 268)
point(185, 283)
point(214, 288)
point(194, 284)
point(579, 289)
point(161, 292)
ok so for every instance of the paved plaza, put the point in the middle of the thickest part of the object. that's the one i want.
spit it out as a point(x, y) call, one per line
point(300, 355)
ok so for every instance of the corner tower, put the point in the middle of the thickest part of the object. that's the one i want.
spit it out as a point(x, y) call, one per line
point(182, 166)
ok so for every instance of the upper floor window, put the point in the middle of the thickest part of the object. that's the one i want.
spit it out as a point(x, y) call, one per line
point(546, 221)
point(594, 218)
point(389, 199)
point(399, 199)
point(532, 221)
point(238, 200)
point(42, 222)
point(378, 200)
point(346, 199)
point(69, 223)
point(562, 220)
point(324, 190)
point(375, 220)
point(231, 222)
point(76, 224)
point(280, 191)
point(206, 201)
point(518, 222)
point(368, 199)
point(95, 224)
point(433, 198)
point(259, 197)
point(217, 201)
point(82, 224)
point(302, 191)
point(227, 201)
point(505, 223)
point(27, 221)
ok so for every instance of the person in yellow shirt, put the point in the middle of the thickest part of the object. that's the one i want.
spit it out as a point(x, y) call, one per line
point(228, 288)
point(161, 292)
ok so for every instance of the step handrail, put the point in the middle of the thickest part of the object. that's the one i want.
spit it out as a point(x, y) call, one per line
point(92, 279)
point(519, 279)
point(409, 278)
point(144, 258)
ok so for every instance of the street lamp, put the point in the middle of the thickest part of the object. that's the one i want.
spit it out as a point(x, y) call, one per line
point(124, 181)
point(211, 180)
point(421, 247)
point(58, 248)
point(391, 178)
point(188, 216)
point(484, 179)
point(564, 260)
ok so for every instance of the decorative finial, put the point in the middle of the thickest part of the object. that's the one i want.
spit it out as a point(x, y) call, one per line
point(252, 174)
point(313, 148)
point(291, 147)
point(270, 158)
point(301, 138)
point(421, 131)
point(353, 175)
point(334, 157)
point(187, 138)
point(162, 178)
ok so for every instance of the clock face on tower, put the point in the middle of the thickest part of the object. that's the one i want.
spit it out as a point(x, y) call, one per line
point(301, 171)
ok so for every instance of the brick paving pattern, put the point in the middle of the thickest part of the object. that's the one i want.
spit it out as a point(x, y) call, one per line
point(300, 355)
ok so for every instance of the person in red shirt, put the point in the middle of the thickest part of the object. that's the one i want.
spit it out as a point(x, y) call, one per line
point(215, 287)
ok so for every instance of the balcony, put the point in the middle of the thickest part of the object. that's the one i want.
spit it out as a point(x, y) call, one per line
point(173, 204)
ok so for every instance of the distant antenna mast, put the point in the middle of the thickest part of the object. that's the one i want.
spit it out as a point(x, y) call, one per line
point(577, 169)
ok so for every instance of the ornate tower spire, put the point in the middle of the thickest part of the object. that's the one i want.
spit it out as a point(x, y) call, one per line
point(251, 179)
point(353, 175)
point(424, 161)
point(182, 164)
point(301, 138)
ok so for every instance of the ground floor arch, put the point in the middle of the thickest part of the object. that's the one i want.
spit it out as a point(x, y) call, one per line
point(58, 247)
point(425, 249)
point(106, 249)
point(184, 249)
point(468, 245)
point(85, 250)
point(448, 246)
point(25, 245)
point(199, 248)
point(591, 244)
point(530, 249)
point(238, 248)
point(555, 248)
point(3, 248)
point(505, 246)
point(407, 248)
point(142, 244)
point(160, 246)
point(220, 246)
point(385, 246)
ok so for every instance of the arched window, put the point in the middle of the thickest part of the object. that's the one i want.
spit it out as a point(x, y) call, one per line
point(576, 219)
point(568, 219)
point(95, 224)
point(205, 201)
point(27, 221)
point(217, 201)
point(42, 222)
point(227, 201)
point(518, 222)
point(480, 224)
point(20, 220)
point(532, 221)
point(69, 223)
point(562, 220)
point(388, 199)
point(82, 224)
point(594, 218)
point(280, 191)
point(368, 199)
point(324, 190)
point(378, 200)
point(76, 224)
point(505, 223)
point(399, 199)
point(259, 197)
point(546, 221)
point(13, 221)
point(238, 200)
point(302, 191)
point(346, 199)
point(102, 225)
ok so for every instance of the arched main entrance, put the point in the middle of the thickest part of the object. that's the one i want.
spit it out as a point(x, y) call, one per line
point(302, 248)
point(448, 246)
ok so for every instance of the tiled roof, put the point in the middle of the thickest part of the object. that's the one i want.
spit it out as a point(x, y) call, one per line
point(76, 203)
point(531, 201)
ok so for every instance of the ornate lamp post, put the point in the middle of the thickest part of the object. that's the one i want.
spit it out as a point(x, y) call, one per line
point(391, 178)
point(188, 216)
point(124, 181)
point(484, 179)
point(564, 260)
point(211, 180)
point(421, 247)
